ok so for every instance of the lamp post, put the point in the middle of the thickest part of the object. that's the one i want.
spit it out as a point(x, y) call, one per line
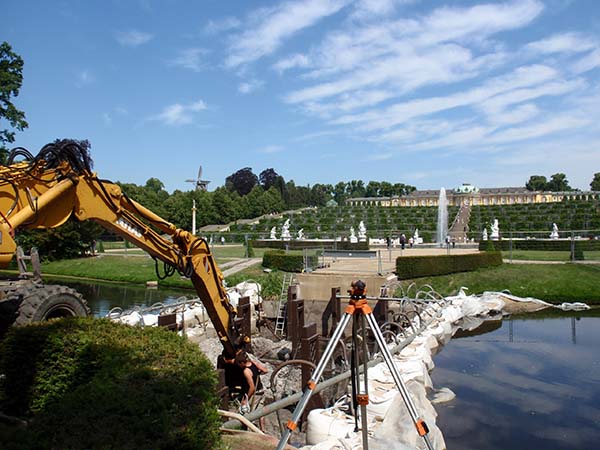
point(194, 218)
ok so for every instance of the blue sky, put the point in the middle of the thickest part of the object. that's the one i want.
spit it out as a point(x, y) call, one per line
point(428, 93)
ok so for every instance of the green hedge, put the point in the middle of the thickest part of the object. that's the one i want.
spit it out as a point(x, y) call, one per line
point(93, 384)
point(298, 245)
point(546, 244)
point(408, 267)
point(288, 263)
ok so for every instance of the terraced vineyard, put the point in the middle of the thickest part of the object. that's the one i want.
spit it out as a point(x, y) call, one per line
point(329, 222)
point(568, 215)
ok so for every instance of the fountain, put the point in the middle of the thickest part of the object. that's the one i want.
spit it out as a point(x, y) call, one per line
point(442, 222)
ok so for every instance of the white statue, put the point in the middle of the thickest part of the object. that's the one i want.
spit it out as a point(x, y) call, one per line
point(300, 234)
point(485, 236)
point(362, 232)
point(554, 234)
point(353, 238)
point(495, 230)
point(285, 230)
point(416, 238)
point(273, 233)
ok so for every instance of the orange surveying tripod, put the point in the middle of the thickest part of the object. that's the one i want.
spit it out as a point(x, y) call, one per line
point(359, 310)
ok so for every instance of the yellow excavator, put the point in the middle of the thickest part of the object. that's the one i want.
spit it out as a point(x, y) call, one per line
point(43, 191)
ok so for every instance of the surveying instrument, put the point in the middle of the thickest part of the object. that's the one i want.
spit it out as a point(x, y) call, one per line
point(359, 310)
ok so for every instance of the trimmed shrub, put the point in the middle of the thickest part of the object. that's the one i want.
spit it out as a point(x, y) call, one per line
point(93, 384)
point(296, 245)
point(408, 267)
point(542, 244)
point(286, 262)
point(577, 252)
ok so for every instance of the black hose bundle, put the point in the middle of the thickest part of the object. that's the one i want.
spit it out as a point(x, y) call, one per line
point(76, 153)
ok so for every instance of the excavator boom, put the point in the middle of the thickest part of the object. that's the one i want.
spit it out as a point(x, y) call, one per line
point(44, 191)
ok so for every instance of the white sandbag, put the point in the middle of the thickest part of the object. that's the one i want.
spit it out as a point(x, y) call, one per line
point(417, 352)
point(150, 320)
point(133, 319)
point(195, 314)
point(408, 368)
point(452, 314)
point(324, 424)
point(426, 339)
point(470, 323)
point(442, 395)
point(234, 297)
point(473, 306)
point(398, 431)
point(250, 289)
point(381, 396)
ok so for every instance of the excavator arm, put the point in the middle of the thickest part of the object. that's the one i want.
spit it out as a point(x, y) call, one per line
point(44, 191)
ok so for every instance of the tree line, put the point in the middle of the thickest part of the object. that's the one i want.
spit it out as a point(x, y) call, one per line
point(557, 183)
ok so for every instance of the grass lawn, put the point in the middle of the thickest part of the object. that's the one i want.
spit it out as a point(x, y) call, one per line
point(138, 270)
point(132, 269)
point(541, 255)
point(552, 283)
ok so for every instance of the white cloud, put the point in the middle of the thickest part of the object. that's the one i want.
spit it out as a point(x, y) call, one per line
point(291, 62)
point(587, 63)
point(271, 26)
point(410, 54)
point(554, 125)
point(379, 157)
point(400, 112)
point(451, 24)
point(179, 114)
point(271, 149)
point(562, 43)
point(372, 9)
point(248, 87)
point(132, 38)
point(226, 24)
point(190, 58)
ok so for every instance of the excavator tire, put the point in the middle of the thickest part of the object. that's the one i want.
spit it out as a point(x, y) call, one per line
point(49, 302)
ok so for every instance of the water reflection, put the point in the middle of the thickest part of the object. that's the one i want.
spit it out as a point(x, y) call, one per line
point(102, 297)
point(529, 384)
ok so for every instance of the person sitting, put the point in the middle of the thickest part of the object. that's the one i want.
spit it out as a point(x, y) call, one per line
point(251, 378)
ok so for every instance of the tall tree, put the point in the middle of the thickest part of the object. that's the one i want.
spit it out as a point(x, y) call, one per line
point(355, 188)
point(268, 178)
point(558, 182)
point(320, 194)
point(11, 79)
point(241, 181)
point(537, 183)
point(372, 189)
point(339, 192)
point(595, 184)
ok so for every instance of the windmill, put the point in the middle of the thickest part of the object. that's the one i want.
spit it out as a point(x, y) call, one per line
point(201, 185)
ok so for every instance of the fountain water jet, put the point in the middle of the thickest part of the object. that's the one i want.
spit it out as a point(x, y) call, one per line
point(442, 222)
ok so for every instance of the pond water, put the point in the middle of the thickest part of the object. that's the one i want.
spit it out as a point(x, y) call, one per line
point(530, 384)
point(102, 297)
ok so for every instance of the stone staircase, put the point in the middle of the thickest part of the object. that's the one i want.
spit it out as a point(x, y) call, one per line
point(460, 226)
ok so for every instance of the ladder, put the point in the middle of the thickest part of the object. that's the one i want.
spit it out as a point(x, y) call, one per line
point(282, 304)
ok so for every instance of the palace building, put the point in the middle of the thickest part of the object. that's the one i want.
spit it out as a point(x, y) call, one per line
point(468, 194)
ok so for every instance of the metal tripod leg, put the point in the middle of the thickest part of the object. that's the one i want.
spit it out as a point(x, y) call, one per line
point(293, 423)
point(418, 421)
